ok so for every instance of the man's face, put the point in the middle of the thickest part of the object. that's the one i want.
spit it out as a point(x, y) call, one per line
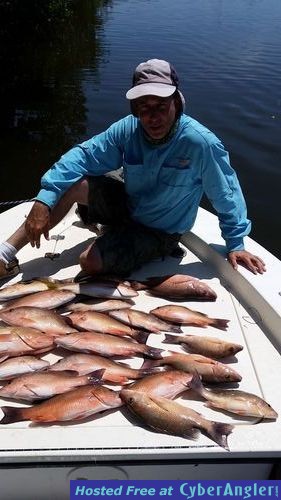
point(157, 115)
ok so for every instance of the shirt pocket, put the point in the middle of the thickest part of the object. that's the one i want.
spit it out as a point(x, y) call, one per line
point(176, 176)
point(135, 177)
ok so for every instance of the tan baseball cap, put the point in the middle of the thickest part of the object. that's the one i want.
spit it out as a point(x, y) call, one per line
point(154, 77)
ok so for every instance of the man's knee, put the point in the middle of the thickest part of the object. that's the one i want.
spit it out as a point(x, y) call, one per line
point(79, 191)
point(90, 260)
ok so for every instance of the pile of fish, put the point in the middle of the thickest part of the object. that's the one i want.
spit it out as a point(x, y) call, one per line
point(97, 321)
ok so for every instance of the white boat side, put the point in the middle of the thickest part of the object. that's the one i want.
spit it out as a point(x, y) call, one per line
point(253, 305)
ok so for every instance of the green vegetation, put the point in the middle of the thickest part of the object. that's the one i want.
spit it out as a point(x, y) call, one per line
point(45, 46)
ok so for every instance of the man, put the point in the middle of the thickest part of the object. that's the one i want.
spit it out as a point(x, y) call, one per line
point(169, 160)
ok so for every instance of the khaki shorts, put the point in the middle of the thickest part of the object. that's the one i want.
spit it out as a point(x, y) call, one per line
point(125, 245)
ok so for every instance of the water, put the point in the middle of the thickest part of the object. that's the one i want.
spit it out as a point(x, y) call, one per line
point(64, 74)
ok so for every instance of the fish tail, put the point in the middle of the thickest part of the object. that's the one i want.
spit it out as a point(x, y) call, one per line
point(11, 414)
point(175, 328)
point(142, 372)
point(141, 337)
point(219, 432)
point(196, 383)
point(151, 364)
point(221, 324)
point(170, 339)
point(96, 376)
point(153, 352)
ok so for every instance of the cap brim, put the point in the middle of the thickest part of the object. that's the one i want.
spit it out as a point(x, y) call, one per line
point(158, 89)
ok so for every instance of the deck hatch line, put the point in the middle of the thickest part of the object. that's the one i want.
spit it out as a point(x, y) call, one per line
point(233, 299)
point(108, 448)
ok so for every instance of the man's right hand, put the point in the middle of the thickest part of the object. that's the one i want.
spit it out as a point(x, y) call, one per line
point(37, 223)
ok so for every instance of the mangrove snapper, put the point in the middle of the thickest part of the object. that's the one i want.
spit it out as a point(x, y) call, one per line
point(168, 384)
point(207, 346)
point(44, 320)
point(103, 289)
point(234, 400)
point(176, 287)
point(106, 345)
point(73, 405)
point(140, 319)
point(48, 299)
point(114, 371)
point(17, 341)
point(99, 305)
point(14, 367)
point(43, 385)
point(184, 316)
point(26, 287)
point(102, 323)
point(100, 289)
point(209, 369)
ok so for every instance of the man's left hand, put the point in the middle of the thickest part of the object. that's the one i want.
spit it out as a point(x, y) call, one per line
point(248, 260)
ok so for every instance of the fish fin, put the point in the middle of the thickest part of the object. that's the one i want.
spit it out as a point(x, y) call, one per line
point(11, 414)
point(256, 421)
point(117, 379)
point(185, 347)
point(170, 339)
point(141, 337)
point(137, 285)
point(74, 373)
point(96, 376)
point(126, 365)
point(50, 283)
point(148, 282)
point(209, 404)
point(219, 432)
point(82, 277)
point(196, 383)
point(191, 433)
point(153, 352)
point(221, 324)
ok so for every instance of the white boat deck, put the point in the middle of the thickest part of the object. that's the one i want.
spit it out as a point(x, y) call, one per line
point(112, 436)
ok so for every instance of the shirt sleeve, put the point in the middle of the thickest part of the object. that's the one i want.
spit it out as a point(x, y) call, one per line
point(222, 188)
point(96, 156)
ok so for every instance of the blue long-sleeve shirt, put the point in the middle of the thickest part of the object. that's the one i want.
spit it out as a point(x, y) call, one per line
point(164, 183)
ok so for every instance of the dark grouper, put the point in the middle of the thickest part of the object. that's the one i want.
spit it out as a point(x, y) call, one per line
point(164, 415)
